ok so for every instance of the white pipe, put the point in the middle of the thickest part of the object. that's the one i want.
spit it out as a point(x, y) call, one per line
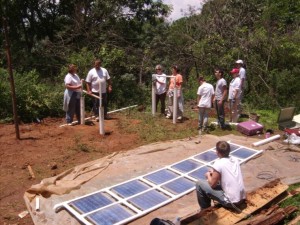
point(175, 103)
point(37, 204)
point(117, 110)
point(101, 111)
point(82, 105)
point(95, 96)
point(262, 142)
point(229, 123)
point(153, 96)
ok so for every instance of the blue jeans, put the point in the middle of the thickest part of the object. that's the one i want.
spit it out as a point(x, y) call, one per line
point(205, 193)
point(220, 113)
point(96, 103)
point(203, 117)
point(73, 108)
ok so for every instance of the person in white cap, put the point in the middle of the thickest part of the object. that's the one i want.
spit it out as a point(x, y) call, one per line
point(242, 75)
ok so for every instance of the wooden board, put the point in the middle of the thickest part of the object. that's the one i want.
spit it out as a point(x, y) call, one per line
point(255, 200)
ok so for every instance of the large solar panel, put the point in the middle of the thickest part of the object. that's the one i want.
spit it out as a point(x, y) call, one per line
point(187, 165)
point(91, 202)
point(131, 188)
point(110, 215)
point(124, 202)
point(161, 176)
point(149, 199)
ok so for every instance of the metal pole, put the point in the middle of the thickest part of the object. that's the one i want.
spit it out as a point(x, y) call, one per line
point(175, 103)
point(82, 105)
point(153, 95)
point(11, 78)
point(101, 111)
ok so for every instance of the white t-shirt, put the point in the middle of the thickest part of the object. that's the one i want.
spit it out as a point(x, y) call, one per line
point(242, 75)
point(206, 91)
point(94, 76)
point(73, 80)
point(161, 85)
point(219, 88)
point(234, 87)
point(231, 178)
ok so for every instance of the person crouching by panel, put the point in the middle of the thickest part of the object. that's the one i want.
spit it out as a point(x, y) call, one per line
point(72, 94)
point(224, 182)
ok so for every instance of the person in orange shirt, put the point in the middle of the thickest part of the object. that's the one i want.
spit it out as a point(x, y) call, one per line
point(175, 81)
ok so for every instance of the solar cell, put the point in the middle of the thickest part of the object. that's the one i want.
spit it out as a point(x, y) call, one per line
point(207, 156)
point(149, 199)
point(90, 203)
point(161, 176)
point(199, 173)
point(187, 165)
point(243, 153)
point(233, 147)
point(179, 185)
point(130, 188)
point(110, 215)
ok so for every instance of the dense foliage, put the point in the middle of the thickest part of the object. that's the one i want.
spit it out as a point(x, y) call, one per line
point(132, 37)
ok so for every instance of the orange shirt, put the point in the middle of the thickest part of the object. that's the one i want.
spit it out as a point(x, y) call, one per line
point(176, 80)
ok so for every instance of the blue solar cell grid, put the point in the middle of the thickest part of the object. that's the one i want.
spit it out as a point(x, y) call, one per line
point(179, 185)
point(233, 147)
point(149, 199)
point(161, 176)
point(207, 156)
point(199, 174)
point(187, 165)
point(243, 153)
point(130, 188)
point(90, 203)
point(110, 215)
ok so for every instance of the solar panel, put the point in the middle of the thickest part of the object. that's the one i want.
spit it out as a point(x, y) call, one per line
point(243, 153)
point(149, 199)
point(161, 176)
point(130, 188)
point(207, 156)
point(124, 202)
point(187, 165)
point(179, 185)
point(110, 215)
point(199, 174)
point(91, 202)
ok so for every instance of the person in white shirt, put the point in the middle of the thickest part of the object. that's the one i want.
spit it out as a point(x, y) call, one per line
point(220, 97)
point(242, 74)
point(72, 94)
point(160, 89)
point(205, 95)
point(234, 95)
point(224, 182)
point(95, 75)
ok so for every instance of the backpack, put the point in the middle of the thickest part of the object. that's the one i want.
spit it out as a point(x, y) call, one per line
point(157, 221)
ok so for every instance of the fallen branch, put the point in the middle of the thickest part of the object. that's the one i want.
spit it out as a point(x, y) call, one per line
point(31, 172)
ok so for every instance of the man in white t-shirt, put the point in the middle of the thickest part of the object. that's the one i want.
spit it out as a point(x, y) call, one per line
point(234, 95)
point(96, 75)
point(224, 181)
point(205, 95)
point(160, 89)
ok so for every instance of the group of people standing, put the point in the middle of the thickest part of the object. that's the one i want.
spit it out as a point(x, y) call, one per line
point(96, 76)
point(208, 96)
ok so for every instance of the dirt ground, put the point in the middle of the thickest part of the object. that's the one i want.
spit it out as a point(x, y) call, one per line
point(49, 150)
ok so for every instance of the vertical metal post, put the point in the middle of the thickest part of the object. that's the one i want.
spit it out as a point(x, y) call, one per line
point(175, 103)
point(11, 79)
point(101, 111)
point(153, 95)
point(82, 105)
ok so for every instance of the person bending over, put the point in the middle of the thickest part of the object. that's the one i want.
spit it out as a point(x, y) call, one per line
point(224, 182)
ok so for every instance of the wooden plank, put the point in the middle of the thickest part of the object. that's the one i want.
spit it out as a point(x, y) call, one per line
point(255, 200)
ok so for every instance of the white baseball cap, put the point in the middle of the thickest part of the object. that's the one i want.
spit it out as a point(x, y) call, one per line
point(239, 61)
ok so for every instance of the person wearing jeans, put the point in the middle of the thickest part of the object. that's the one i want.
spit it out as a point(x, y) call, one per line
point(220, 97)
point(224, 182)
